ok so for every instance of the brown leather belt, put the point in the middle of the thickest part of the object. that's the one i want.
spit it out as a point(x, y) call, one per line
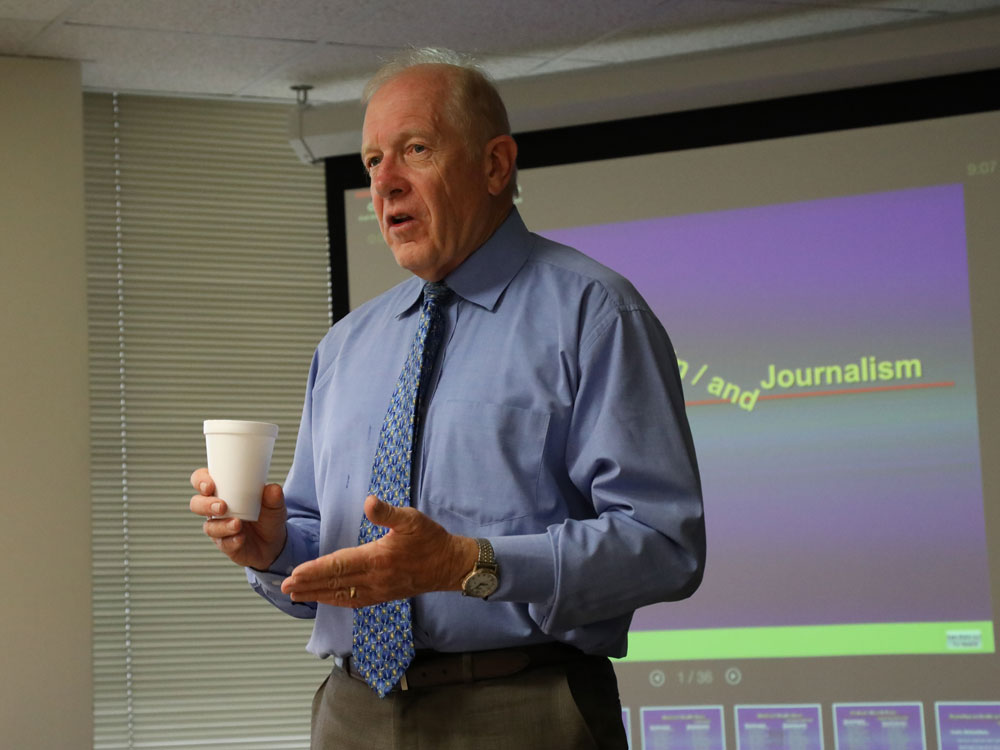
point(434, 668)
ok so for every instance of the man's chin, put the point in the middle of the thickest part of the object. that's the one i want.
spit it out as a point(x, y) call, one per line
point(417, 259)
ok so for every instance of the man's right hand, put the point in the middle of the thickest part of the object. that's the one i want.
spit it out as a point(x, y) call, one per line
point(254, 544)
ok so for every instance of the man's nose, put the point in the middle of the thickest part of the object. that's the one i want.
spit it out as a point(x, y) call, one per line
point(388, 179)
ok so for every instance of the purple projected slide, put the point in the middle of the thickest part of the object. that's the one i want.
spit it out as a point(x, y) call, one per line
point(968, 726)
point(683, 728)
point(826, 355)
point(779, 728)
point(879, 726)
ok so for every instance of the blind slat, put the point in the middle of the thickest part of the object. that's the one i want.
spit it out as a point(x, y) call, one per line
point(208, 288)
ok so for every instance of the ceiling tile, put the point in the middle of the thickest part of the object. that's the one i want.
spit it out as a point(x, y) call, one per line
point(259, 48)
point(918, 6)
point(696, 28)
point(322, 93)
point(479, 28)
point(327, 62)
point(938, 6)
point(503, 67)
point(33, 10)
point(300, 20)
point(332, 70)
point(164, 61)
point(693, 13)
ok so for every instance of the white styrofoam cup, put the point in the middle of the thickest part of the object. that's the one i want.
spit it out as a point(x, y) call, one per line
point(239, 456)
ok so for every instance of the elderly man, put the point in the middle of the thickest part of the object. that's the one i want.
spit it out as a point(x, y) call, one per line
point(473, 534)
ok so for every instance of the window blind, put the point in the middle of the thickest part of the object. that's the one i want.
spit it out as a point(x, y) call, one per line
point(208, 289)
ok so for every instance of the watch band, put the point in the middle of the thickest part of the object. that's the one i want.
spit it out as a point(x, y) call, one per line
point(487, 558)
point(484, 577)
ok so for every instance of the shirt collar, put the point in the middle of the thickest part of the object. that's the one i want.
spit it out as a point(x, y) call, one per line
point(485, 274)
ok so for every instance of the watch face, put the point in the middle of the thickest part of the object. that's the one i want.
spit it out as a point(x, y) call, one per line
point(481, 584)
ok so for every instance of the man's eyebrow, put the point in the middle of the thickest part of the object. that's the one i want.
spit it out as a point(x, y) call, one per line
point(401, 137)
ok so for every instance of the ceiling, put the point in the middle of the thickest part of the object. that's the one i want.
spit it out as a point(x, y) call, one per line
point(259, 49)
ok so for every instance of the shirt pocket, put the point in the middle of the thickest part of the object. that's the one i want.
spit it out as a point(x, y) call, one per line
point(482, 461)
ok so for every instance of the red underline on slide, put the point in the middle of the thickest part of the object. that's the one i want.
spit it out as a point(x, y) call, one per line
point(841, 392)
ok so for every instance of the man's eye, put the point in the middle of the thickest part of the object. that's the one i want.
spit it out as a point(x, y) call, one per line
point(418, 148)
point(372, 162)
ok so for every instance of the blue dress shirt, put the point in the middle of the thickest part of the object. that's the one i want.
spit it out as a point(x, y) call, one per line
point(554, 427)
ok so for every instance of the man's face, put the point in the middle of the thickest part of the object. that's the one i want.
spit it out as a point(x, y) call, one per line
point(430, 194)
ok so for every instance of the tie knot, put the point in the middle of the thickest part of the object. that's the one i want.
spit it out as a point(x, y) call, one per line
point(436, 292)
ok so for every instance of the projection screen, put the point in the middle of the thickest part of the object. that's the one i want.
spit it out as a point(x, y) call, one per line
point(832, 298)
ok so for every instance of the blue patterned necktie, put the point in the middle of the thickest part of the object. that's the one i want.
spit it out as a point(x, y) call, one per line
point(383, 633)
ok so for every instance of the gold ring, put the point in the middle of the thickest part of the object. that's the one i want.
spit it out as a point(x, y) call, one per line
point(353, 591)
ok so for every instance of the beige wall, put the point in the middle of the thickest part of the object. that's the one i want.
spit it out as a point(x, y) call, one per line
point(45, 627)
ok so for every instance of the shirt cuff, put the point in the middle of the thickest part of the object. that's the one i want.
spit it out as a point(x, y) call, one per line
point(267, 583)
point(526, 567)
point(295, 551)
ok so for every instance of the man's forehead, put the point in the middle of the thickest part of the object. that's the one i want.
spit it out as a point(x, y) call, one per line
point(382, 133)
point(413, 87)
point(401, 118)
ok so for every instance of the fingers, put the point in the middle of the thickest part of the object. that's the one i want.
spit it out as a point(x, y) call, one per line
point(204, 504)
point(201, 480)
point(331, 579)
point(349, 589)
point(208, 506)
point(349, 596)
point(273, 497)
point(338, 597)
point(377, 511)
point(403, 520)
point(334, 570)
point(223, 528)
point(414, 557)
point(256, 544)
point(230, 537)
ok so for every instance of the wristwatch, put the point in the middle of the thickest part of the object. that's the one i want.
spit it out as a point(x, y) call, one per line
point(485, 576)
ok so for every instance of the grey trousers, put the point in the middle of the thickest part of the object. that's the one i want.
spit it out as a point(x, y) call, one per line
point(563, 707)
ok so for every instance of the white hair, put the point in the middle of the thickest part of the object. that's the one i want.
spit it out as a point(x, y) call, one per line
point(474, 105)
point(413, 57)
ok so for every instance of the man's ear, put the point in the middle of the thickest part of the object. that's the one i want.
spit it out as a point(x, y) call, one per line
point(501, 156)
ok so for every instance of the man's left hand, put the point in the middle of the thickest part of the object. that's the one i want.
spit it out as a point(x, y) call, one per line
point(416, 556)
